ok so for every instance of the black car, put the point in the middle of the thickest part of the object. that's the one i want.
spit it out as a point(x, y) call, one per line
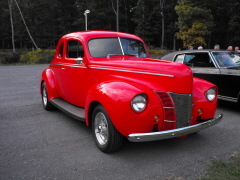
point(220, 67)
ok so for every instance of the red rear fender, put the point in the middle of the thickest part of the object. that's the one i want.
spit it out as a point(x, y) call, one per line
point(49, 78)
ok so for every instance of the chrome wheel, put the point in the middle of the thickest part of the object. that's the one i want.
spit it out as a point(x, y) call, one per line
point(44, 96)
point(106, 136)
point(101, 128)
point(46, 104)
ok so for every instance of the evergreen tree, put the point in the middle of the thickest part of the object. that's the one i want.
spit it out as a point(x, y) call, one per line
point(194, 22)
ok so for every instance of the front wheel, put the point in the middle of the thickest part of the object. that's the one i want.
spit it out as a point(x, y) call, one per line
point(46, 104)
point(106, 136)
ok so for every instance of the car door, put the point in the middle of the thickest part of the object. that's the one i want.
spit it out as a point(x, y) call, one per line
point(76, 75)
point(202, 65)
point(58, 67)
point(230, 86)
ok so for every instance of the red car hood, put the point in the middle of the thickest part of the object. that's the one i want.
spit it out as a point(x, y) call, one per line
point(156, 74)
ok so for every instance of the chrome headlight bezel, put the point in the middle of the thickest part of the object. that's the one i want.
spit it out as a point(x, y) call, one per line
point(211, 94)
point(139, 103)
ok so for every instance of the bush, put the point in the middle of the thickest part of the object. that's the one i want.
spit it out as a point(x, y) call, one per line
point(156, 52)
point(38, 57)
point(9, 58)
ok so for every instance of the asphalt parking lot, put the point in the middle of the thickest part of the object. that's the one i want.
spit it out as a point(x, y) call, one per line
point(36, 144)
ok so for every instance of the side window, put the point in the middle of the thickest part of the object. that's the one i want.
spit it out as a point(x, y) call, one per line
point(180, 58)
point(189, 58)
point(75, 49)
point(198, 60)
point(60, 52)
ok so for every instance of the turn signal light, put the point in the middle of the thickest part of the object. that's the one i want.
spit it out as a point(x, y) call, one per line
point(156, 118)
point(199, 111)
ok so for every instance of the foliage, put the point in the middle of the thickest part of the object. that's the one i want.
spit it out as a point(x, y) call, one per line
point(146, 13)
point(37, 57)
point(234, 22)
point(194, 22)
point(155, 52)
point(200, 22)
point(220, 170)
point(9, 58)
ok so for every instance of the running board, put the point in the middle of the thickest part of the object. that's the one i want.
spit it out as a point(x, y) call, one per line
point(74, 111)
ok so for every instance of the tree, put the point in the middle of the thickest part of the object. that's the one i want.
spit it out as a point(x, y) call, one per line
point(199, 22)
point(162, 14)
point(26, 25)
point(234, 22)
point(11, 20)
point(116, 11)
point(147, 18)
point(194, 22)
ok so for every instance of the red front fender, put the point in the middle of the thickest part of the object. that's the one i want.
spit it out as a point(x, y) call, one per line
point(116, 98)
point(200, 88)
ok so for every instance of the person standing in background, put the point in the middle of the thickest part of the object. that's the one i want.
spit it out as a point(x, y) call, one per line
point(216, 46)
point(237, 49)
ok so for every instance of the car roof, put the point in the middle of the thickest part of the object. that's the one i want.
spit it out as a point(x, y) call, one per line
point(170, 56)
point(86, 35)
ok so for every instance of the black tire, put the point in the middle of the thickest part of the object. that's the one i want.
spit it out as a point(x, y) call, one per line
point(106, 136)
point(238, 102)
point(46, 104)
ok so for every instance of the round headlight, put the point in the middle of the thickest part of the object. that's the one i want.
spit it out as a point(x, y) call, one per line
point(139, 103)
point(211, 94)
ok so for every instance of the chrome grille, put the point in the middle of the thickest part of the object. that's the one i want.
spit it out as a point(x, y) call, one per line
point(183, 106)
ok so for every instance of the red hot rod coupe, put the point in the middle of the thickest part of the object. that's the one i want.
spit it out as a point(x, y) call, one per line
point(108, 80)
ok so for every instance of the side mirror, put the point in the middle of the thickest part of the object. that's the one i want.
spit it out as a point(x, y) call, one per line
point(79, 60)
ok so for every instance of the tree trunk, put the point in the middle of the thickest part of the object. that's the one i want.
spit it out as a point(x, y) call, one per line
point(163, 29)
point(26, 25)
point(10, 10)
point(162, 43)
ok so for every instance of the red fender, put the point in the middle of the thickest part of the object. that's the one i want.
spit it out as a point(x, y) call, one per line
point(200, 88)
point(116, 98)
point(49, 78)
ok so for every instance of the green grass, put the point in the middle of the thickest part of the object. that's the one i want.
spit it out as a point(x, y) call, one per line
point(219, 170)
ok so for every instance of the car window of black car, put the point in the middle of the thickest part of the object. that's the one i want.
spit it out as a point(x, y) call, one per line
point(179, 58)
point(198, 60)
point(189, 57)
point(226, 59)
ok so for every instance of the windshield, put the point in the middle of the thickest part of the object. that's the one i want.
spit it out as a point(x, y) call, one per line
point(106, 47)
point(227, 59)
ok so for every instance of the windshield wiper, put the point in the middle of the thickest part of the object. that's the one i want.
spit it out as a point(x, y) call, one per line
point(108, 56)
point(136, 55)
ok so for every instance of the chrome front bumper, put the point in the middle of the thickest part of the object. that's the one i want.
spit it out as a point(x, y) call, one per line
point(154, 136)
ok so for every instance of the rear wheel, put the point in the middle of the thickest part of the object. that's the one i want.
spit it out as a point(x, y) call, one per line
point(46, 104)
point(106, 136)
